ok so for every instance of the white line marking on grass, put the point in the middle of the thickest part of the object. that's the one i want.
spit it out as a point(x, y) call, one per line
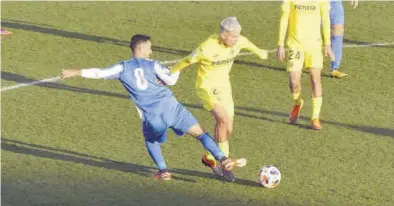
point(52, 79)
point(55, 79)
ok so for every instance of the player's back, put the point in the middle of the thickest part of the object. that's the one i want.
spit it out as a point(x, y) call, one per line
point(140, 80)
point(305, 23)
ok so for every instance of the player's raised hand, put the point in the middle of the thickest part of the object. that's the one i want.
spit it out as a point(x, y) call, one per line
point(328, 52)
point(263, 54)
point(354, 3)
point(280, 53)
point(70, 73)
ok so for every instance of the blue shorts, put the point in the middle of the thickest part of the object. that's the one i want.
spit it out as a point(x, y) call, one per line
point(337, 14)
point(175, 116)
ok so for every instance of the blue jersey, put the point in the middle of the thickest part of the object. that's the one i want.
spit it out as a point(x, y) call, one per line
point(160, 108)
point(140, 80)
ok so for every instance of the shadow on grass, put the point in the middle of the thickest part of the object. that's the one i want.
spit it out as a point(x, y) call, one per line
point(65, 190)
point(75, 157)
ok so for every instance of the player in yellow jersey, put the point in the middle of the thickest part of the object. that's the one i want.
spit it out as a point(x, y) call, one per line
point(303, 21)
point(215, 56)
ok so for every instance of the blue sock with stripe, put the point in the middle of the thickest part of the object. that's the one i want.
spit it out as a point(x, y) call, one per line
point(154, 151)
point(337, 46)
point(210, 145)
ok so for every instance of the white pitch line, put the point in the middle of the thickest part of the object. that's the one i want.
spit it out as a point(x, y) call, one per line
point(55, 79)
point(52, 79)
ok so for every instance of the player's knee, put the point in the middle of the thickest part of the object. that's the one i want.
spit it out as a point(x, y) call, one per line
point(222, 120)
point(220, 115)
point(294, 84)
point(196, 131)
point(315, 80)
point(230, 129)
point(294, 80)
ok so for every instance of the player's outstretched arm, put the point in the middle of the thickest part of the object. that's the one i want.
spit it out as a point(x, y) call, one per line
point(70, 73)
point(248, 45)
point(194, 57)
point(283, 24)
point(112, 72)
point(165, 75)
point(183, 63)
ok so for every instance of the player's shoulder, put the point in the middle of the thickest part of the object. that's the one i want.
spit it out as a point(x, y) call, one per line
point(143, 61)
point(242, 40)
point(209, 42)
point(139, 63)
point(151, 61)
point(127, 61)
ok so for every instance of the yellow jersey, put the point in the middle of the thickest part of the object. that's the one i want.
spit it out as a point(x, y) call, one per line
point(304, 20)
point(215, 60)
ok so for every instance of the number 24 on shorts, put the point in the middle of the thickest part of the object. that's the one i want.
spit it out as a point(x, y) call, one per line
point(292, 56)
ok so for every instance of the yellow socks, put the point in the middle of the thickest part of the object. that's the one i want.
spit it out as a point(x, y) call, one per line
point(297, 98)
point(316, 106)
point(224, 147)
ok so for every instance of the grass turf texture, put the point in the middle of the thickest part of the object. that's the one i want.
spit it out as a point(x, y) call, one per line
point(78, 142)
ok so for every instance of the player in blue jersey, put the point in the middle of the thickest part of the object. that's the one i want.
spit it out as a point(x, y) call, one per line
point(337, 18)
point(145, 81)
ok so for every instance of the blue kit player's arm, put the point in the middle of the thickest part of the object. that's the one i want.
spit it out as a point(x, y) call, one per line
point(112, 72)
point(165, 75)
point(116, 70)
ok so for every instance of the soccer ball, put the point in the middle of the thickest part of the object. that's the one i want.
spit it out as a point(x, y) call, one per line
point(269, 176)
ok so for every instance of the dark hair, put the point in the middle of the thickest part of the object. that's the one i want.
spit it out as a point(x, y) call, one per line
point(138, 39)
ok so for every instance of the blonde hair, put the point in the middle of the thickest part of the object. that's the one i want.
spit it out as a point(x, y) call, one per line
point(230, 24)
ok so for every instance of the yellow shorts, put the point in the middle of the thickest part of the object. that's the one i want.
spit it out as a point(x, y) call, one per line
point(298, 59)
point(211, 96)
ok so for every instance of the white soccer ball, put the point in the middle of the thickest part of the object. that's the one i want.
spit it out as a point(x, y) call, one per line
point(269, 176)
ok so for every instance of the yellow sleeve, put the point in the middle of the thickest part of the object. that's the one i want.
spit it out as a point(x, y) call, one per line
point(284, 21)
point(325, 15)
point(246, 44)
point(194, 57)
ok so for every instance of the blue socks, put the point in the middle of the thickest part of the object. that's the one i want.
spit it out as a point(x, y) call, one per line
point(155, 153)
point(336, 45)
point(210, 145)
point(206, 140)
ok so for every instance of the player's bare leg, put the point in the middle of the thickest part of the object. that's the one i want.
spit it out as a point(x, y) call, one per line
point(154, 150)
point(223, 121)
point(317, 91)
point(295, 89)
point(230, 126)
point(241, 162)
point(226, 164)
point(221, 134)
